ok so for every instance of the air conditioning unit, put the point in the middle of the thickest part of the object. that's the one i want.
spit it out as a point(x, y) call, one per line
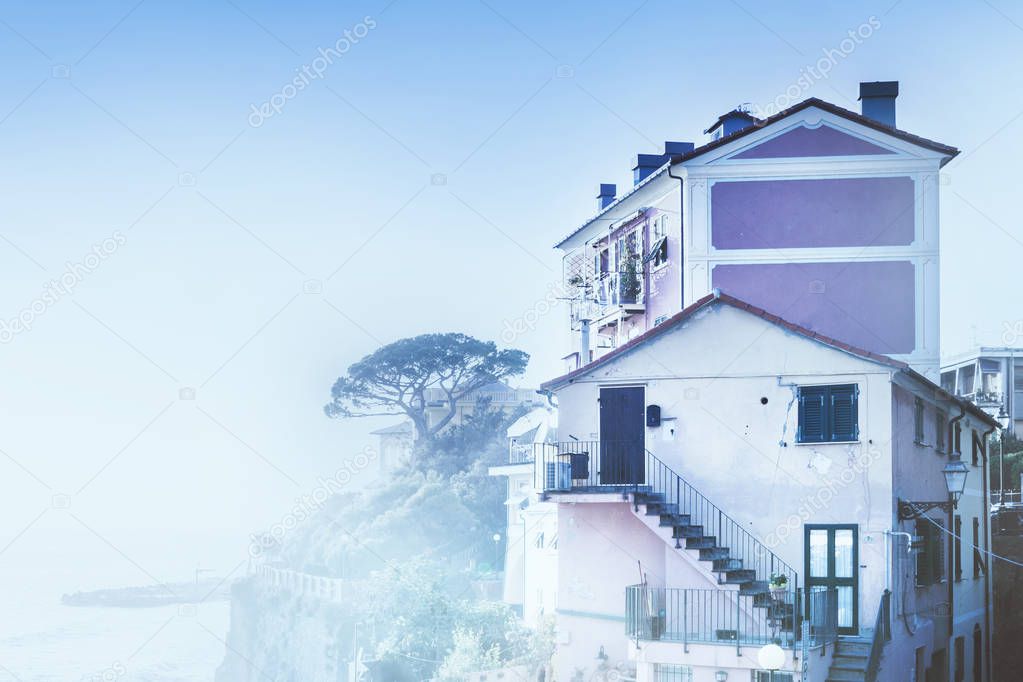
point(558, 476)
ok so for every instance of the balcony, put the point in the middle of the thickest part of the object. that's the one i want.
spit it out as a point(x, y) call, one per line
point(730, 618)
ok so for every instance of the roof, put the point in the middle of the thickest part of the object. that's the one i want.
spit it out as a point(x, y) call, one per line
point(832, 109)
point(402, 428)
point(718, 297)
point(761, 123)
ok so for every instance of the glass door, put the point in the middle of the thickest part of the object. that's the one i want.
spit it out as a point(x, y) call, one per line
point(831, 561)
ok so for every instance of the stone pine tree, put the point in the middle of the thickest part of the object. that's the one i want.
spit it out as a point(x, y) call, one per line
point(394, 379)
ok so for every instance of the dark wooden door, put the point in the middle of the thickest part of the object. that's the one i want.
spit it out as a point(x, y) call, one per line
point(622, 435)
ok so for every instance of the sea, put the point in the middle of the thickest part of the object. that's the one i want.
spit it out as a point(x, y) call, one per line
point(42, 639)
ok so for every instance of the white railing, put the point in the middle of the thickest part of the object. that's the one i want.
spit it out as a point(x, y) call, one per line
point(305, 584)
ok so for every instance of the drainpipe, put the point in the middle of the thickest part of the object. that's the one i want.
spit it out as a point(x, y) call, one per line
point(681, 236)
point(956, 452)
point(985, 512)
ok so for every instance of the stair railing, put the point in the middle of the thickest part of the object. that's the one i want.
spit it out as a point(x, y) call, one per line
point(741, 544)
point(882, 634)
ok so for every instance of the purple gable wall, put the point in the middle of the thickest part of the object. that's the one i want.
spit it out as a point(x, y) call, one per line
point(812, 213)
point(820, 141)
point(867, 304)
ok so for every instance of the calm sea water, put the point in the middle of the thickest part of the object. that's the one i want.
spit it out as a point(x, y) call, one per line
point(40, 639)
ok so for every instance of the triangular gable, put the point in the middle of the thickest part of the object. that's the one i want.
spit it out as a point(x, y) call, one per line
point(809, 141)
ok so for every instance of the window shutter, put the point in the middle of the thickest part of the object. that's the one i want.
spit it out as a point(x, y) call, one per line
point(938, 555)
point(812, 419)
point(923, 559)
point(843, 413)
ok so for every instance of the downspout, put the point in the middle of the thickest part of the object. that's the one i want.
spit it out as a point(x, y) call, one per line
point(956, 452)
point(986, 514)
point(681, 234)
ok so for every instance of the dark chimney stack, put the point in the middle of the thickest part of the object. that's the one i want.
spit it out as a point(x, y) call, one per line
point(877, 101)
point(606, 196)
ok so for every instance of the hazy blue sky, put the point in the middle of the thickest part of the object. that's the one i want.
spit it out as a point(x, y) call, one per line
point(253, 264)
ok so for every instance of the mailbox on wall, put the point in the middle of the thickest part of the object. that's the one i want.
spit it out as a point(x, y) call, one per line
point(653, 415)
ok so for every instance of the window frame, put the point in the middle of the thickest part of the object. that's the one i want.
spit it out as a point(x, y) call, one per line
point(918, 421)
point(827, 394)
point(940, 427)
point(658, 255)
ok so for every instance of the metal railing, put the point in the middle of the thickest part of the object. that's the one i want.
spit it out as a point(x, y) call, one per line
point(730, 618)
point(882, 634)
point(709, 616)
point(821, 609)
point(609, 466)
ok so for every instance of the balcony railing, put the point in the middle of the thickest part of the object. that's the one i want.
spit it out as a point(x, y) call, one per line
point(728, 618)
point(593, 466)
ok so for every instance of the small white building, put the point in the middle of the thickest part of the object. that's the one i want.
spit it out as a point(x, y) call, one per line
point(990, 377)
point(531, 547)
point(727, 448)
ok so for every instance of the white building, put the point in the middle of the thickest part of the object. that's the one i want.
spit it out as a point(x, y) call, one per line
point(753, 441)
point(727, 447)
point(990, 377)
point(531, 547)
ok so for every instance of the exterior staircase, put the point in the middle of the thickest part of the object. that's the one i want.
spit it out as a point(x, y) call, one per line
point(731, 565)
point(850, 660)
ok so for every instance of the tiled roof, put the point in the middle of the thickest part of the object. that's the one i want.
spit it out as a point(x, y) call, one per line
point(403, 427)
point(719, 297)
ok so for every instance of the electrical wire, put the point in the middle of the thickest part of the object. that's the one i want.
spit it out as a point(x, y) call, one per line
point(979, 549)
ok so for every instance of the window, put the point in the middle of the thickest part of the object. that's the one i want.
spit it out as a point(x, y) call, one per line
point(940, 426)
point(957, 547)
point(978, 653)
point(966, 375)
point(978, 449)
point(960, 663)
point(921, 664)
point(948, 381)
point(930, 561)
point(672, 673)
point(918, 421)
point(828, 414)
point(978, 557)
point(765, 676)
point(658, 255)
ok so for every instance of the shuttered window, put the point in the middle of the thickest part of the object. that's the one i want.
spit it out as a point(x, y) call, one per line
point(930, 561)
point(828, 414)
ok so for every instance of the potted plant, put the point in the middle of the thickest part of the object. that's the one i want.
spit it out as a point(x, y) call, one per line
point(631, 284)
point(575, 280)
point(779, 585)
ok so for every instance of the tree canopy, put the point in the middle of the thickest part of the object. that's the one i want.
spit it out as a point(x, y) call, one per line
point(396, 378)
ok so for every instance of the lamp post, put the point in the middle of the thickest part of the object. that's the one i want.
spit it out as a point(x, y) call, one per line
point(771, 657)
point(955, 482)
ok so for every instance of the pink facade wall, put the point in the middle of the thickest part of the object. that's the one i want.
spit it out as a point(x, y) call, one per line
point(803, 141)
point(871, 305)
point(766, 214)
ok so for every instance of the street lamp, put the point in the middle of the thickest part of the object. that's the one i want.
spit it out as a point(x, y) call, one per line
point(955, 482)
point(771, 657)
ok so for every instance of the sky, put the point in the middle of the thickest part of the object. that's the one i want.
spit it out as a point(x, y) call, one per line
point(232, 242)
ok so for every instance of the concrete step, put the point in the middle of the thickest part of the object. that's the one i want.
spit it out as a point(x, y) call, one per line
point(854, 663)
point(721, 565)
point(669, 520)
point(687, 531)
point(740, 576)
point(702, 542)
point(846, 676)
point(755, 587)
point(711, 553)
